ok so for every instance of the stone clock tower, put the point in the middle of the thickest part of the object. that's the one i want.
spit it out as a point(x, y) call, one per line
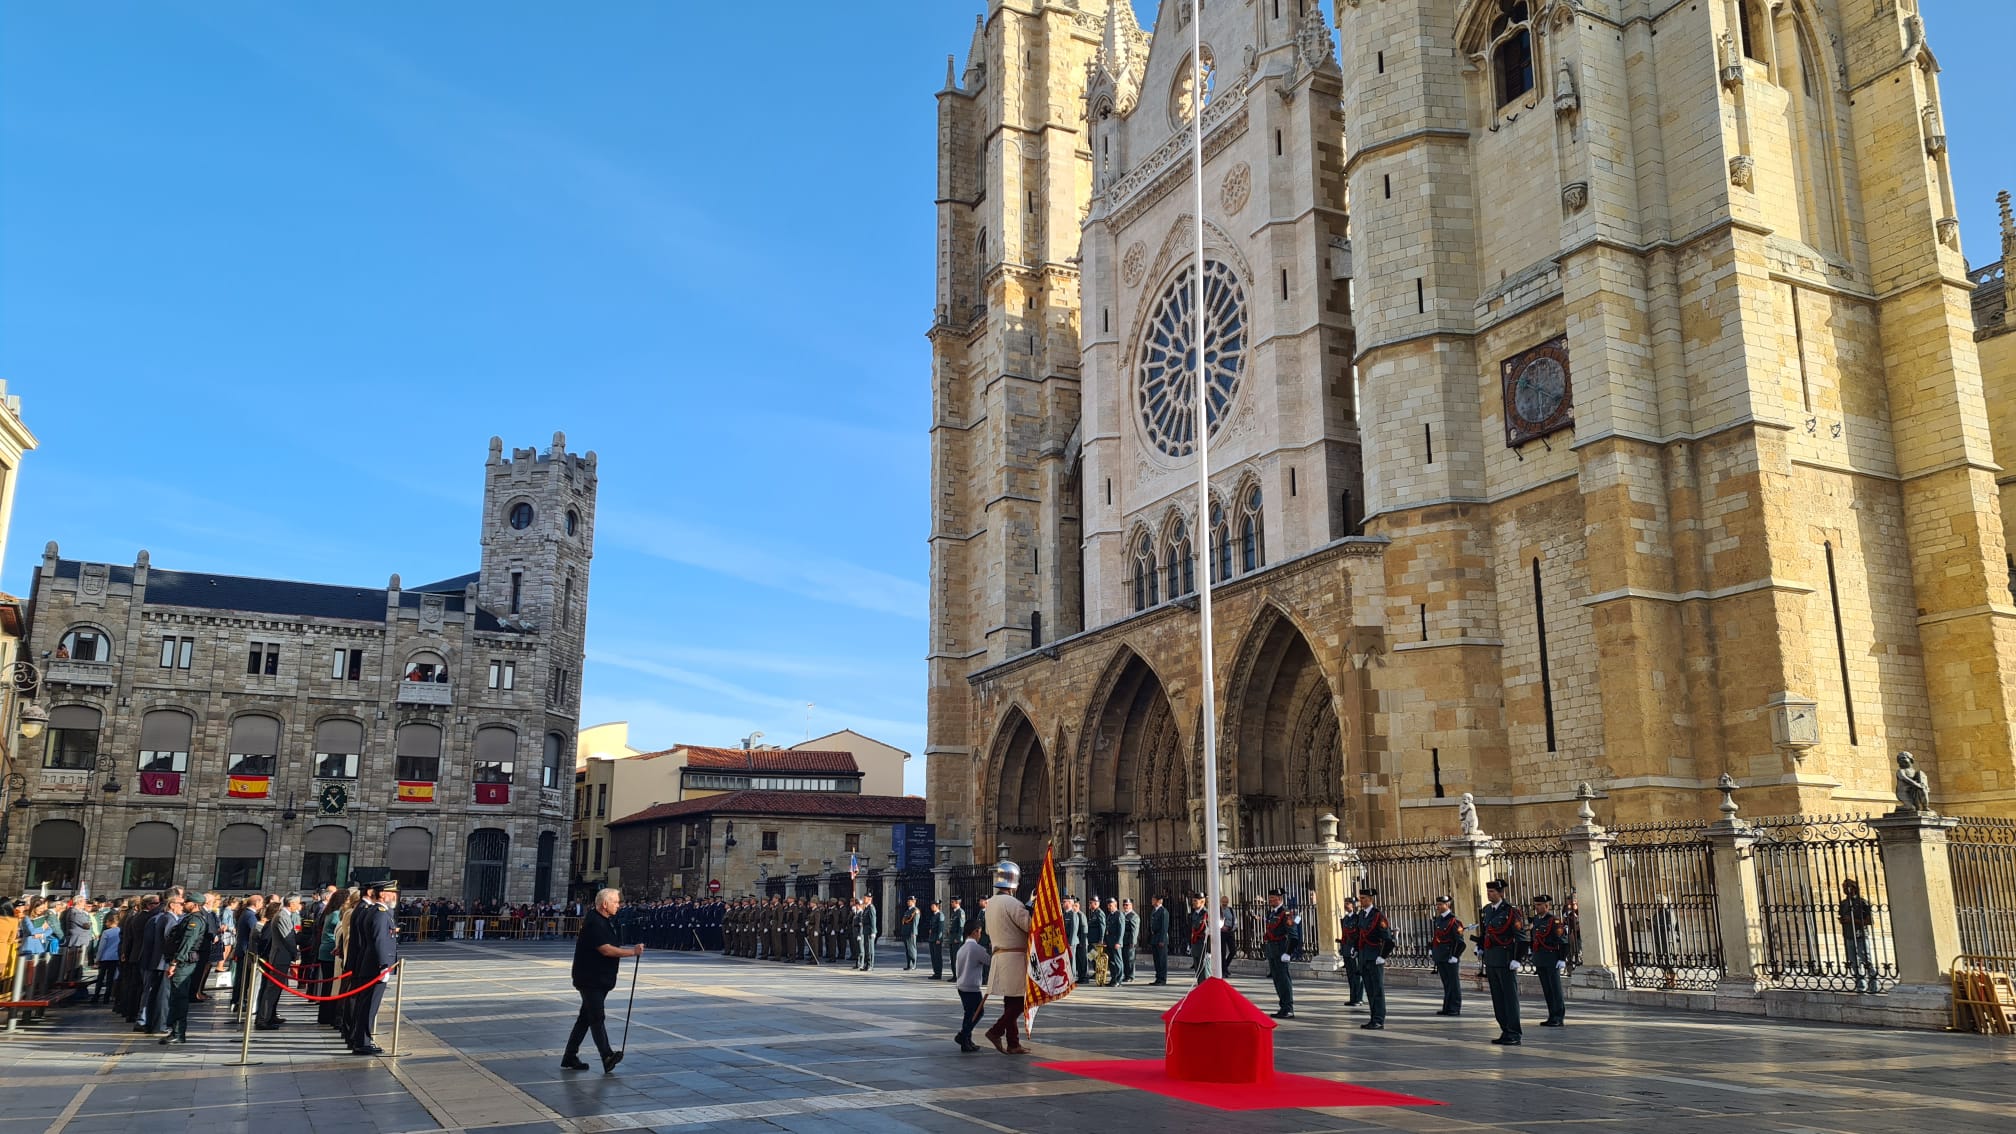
point(538, 536)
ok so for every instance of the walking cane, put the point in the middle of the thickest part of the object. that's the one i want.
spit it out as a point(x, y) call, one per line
point(631, 1009)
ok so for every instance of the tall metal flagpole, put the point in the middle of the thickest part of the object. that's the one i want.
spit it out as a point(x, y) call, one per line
point(1201, 536)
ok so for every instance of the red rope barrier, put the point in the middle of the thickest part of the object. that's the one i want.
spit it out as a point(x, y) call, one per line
point(282, 982)
point(317, 980)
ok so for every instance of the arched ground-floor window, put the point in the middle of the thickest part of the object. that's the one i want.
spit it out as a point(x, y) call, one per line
point(55, 853)
point(325, 857)
point(150, 857)
point(483, 876)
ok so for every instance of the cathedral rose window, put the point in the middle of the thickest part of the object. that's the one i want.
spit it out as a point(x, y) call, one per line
point(1170, 357)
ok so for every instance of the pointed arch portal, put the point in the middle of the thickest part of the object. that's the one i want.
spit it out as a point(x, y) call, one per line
point(1140, 774)
point(1021, 791)
point(1285, 740)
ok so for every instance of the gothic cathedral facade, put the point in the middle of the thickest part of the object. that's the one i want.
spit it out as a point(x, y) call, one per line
point(1592, 398)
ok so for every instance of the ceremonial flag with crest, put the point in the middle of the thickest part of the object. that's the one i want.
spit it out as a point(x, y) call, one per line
point(1050, 972)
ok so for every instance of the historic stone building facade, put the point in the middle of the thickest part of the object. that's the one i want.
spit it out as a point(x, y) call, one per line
point(1594, 397)
point(240, 733)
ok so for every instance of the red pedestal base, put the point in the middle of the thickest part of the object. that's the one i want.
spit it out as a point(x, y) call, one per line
point(1215, 1035)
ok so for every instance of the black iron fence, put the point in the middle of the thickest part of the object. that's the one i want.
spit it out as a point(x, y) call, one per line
point(918, 884)
point(1252, 874)
point(1662, 881)
point(1409, 876)
point(808, 886)
point(1818, 935)
point(1102, 880)
point(776, 888)
point(972, 883)
point(1982, 856)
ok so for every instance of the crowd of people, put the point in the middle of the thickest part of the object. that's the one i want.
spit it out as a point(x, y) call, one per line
point(152, 957)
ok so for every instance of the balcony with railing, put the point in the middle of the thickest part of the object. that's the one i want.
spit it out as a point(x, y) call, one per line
point(69, 671)
point(426, 693)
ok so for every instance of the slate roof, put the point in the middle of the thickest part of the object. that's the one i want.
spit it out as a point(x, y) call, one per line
point(770, 760)
point(206, 591)
point(805, 804)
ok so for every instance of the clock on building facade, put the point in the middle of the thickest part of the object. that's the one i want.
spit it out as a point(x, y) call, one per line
point(1538, 397)
point(1165, 389)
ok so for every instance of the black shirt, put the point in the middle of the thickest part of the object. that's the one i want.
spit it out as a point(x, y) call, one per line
point(591, 968)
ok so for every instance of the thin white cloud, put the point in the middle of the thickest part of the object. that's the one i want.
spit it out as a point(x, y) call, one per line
point(808, 574)
point(786, 715)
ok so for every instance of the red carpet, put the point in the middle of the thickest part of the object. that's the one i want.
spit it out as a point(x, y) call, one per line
point(1283, 1093)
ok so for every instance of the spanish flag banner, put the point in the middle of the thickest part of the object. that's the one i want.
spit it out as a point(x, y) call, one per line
point(1050, 973)
point(248, 787)
point(416, 791)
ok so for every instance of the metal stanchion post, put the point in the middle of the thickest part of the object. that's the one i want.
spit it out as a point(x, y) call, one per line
point(245, 1045)
point(398, 1003)
point(20, 974)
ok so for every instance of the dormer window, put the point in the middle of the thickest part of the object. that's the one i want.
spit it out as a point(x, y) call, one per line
point(1512, 50)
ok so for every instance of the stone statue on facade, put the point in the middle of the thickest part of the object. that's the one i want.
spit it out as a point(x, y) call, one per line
point(1914, 790)
point(1466, 815)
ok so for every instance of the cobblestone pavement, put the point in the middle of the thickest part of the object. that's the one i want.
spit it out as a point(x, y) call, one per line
point(738, 1046)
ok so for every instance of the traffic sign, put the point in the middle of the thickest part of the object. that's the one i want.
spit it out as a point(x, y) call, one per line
point(713, 885)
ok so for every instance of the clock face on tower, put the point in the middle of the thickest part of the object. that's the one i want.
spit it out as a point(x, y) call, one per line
point(1165, 383)
point(1538, 397)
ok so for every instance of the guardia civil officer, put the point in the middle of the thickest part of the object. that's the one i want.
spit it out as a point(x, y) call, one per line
point(909, 927)
point(933, 932)
point(954, 934)
point(1130, 939)
point(1550, 956)
point(1500, 930)
point(598, 960)
point(1445, 948)
point(1282, 938)
point(1200, 949)
point(1347, 949)
point(1158, 938)
point(1375, 941)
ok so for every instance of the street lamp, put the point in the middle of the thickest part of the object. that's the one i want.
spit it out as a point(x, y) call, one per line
point(11, 796)
point(34, 718)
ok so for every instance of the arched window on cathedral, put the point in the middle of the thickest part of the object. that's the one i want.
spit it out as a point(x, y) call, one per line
point(1221, 546)
point(1512, 50)
point(1810, 114)
point(1252, 535)
point(1179, 562)
point(980, 270)
point(1754, 28)
point(1144, 573)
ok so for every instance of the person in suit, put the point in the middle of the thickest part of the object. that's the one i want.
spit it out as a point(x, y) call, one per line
point(1130, 940)
point(1550, 957)
point(1282, 939)
point(1095, 935)
point(909, 926)
point(954, 936)
point(598, 961)
point(1200, 949)
point(932, 932)
point(280, 950)
point(247, 926)
point(1347, 949)
point(77, 935)
point(1445, 948)
point(1158, 938)
point(1228, 927)
point(1113, 925)
point(1074, 938)
point(1375, 941)
point(154, 958)
point(1499, 932)
point(374, 949)
point(213, 917)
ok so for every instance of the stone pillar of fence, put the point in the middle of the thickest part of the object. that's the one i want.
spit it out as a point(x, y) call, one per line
point(1589, 869)
point(892, 899)
point(1129, 866)
point(1075, 867)
point(1739, 912)
point(825, 878)
point(1469, 870)
point(941, 879)
point(1924, 916)
point(1336, 871)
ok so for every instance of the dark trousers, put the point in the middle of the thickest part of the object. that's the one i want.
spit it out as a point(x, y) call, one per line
point(1127, 962)
point(1225, 955)
point(1113, 963)
point(1161, 964)
point(1356, 977)
point(327, 1012)
point(590, 1021)
point(1550, 987)
point(974, 1004)
point(1284, 985)
point(108, 979)
point(180, 987)
point(156, 1010)
point(1084, 958)
point(1450, 971)
point(937, 959)
point(1374, 975)
point(364, 1014)
point(1504, 998)
point(268, 1008)
point(1008, 1026)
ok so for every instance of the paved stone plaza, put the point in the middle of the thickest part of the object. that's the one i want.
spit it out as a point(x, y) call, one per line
point(747, 1046)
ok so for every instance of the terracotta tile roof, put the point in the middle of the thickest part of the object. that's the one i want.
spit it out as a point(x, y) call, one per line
point(810, 804)
point(769, 760)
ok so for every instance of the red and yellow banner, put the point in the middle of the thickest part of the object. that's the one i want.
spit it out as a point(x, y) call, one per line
point(248, 787)
point(416, 791)
point(1050, 972)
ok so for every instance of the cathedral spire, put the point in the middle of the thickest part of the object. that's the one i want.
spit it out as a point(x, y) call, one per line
point(2008, 231)
point(976, 55)
point(951, 72)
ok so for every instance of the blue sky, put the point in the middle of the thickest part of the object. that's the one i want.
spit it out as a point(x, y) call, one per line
point(272, 275)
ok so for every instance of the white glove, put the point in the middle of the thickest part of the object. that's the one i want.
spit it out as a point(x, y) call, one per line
point(1517, 967)
point(1561, 965)
point(1284, 958)
point(1454, 961)
point(1378, 960)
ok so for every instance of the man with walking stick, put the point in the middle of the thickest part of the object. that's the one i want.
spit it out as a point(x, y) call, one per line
point(597, 962)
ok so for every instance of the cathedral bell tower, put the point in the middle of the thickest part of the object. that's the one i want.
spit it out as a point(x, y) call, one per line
point(1014, 176)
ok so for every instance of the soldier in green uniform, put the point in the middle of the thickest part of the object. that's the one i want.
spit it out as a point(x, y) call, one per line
point(907, 928)
point(954, 935)
point(1550, 956)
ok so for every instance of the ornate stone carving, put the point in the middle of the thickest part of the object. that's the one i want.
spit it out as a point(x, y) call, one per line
point(1237, 187)
point(1134, 264)
point(1732, 61)
point(1466, 815)
point(1312, 41)
point(1935, 132)
point(1743, 171)
point(1914, 790)
point(1567, 100)
point(1575, 194)
point(1949, 231)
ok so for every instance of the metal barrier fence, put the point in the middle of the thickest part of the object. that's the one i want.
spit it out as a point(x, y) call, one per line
point(1662, 881)
point(1409, 877)
point(1175, 877)
point(1813, 939)
point(971, 884)
point(1982, 857)
point(1254, 872)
